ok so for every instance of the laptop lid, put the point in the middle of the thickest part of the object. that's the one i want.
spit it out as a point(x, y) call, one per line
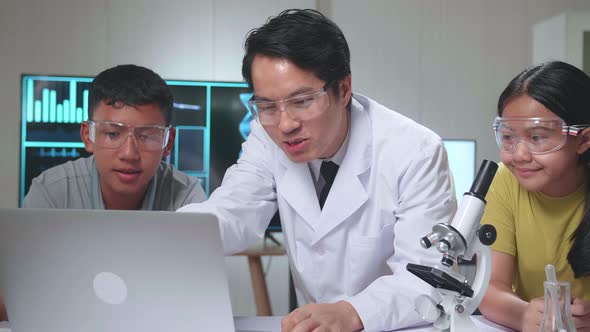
point(103, 270)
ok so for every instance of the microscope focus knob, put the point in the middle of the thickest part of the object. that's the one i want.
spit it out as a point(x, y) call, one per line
point(429, 310)
point(425, 242)
point(487, 234)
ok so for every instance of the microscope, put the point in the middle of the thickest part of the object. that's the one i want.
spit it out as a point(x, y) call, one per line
point(460, 240)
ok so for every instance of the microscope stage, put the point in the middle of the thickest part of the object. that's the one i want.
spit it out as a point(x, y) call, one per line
point(439, 279)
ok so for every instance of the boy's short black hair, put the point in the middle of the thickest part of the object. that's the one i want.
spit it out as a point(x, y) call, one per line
point(130, 85)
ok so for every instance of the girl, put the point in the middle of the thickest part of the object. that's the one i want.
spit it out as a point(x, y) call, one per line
point(538, 200)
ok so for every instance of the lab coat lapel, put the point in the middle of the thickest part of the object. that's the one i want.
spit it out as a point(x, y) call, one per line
point(297, 188)
point(348, 192)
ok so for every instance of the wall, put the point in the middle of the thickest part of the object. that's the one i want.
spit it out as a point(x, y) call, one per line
point(577, 23)
point(549, 39)
point(442, 63)
point(562, 37)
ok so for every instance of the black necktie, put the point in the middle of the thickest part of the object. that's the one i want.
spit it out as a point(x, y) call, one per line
point(328, 171)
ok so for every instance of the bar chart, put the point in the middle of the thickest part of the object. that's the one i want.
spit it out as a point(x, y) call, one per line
point(43, 105)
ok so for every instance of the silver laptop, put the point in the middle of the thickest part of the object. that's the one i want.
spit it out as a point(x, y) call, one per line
point(91, 270)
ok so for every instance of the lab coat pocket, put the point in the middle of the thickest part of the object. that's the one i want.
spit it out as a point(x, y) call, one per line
point(368, 258)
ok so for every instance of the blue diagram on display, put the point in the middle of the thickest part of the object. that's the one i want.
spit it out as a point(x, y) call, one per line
point(245, 123)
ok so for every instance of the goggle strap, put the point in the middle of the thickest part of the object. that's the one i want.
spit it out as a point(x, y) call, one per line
point(575, 129)
point(166, 136)
point(92, 131)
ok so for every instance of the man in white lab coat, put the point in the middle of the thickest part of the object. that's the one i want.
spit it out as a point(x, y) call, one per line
point(348, 237)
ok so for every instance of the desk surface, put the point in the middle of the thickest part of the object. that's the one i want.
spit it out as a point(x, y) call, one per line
point(272, 324)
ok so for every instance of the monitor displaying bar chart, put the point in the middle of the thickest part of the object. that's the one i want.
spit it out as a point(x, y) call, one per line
point(210, 119)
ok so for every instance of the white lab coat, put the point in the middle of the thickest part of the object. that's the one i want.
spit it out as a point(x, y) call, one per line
point(393, 185)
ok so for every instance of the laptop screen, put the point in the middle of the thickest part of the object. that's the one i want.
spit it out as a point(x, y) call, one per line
point(104, 270)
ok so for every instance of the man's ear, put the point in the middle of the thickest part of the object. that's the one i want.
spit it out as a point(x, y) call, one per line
point(85, 135)
point(583, 141)
point(170, 143)
point(346, 90)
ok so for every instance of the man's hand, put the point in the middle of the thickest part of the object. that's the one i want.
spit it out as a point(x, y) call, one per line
point(533, 315)
point(339, 316)
point(580, 310)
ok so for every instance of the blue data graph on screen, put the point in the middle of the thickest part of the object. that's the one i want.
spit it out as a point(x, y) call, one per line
point(56, 99)
point(245, 123)
point(53, 153)
point(211, 119)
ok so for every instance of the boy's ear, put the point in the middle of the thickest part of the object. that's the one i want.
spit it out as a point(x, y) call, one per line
point(85, 135)
point(583, 141)
point(170, 143)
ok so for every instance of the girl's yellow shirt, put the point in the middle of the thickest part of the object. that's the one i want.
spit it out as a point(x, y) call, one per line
point(536, 229)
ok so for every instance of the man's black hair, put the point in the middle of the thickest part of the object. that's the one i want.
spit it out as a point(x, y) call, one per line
point(305, 37)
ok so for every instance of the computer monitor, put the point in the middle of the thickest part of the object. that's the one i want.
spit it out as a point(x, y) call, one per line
point(211, 118)
point(462, 158)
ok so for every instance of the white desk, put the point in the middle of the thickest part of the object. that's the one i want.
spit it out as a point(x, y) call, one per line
point(4, 327)
point(273, 324)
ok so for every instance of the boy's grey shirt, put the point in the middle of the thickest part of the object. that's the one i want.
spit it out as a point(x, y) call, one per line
point(75, 185)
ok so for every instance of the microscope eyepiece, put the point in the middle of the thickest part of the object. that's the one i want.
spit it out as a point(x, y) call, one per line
point(483, 179)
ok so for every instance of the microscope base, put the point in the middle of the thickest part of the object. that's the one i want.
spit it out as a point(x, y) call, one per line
point(462, 323)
